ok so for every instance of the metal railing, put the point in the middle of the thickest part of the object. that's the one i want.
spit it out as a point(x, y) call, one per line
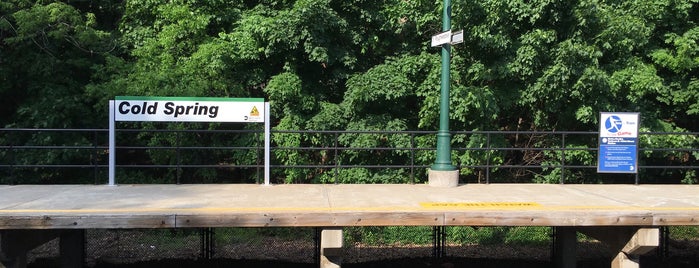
point(305, 156)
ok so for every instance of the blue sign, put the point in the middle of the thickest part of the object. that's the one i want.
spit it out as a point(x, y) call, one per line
point(618, 143)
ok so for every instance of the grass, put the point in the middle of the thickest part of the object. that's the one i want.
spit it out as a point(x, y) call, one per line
point(394, 235)
point(684, 232)
point(461, 235)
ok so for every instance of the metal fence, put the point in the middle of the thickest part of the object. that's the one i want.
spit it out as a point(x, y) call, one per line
point(214, 156)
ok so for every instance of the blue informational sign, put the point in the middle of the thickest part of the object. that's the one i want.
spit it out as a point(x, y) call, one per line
point(618, 143)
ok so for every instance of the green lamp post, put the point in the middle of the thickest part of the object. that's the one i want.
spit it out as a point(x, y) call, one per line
point(442, 172)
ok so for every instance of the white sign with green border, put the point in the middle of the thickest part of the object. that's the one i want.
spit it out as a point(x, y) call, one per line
point(186, 109)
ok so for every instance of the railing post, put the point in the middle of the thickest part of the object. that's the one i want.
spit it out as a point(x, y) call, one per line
point(177, 153)
point(257, 161)
point(563, 158)
point(12, 165)
point(638, 166)
point(487, 159)
point(337, 165)
point(94, 155)
point(412, 158)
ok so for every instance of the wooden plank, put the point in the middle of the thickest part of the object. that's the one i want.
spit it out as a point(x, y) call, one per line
point(87, 222)
point(230, 205)
point(676, 218)
point(549, 218)
point(388, 218)
point(305, 219)
point(254, 219)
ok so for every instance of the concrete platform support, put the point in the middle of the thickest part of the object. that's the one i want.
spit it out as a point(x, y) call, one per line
point(565, 247)
point(72, 248)
point(629, 242)
point(331, 247)
point(14, 245)
point(625, 261)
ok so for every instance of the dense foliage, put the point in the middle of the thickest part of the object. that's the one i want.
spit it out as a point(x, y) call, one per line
point(361, 65)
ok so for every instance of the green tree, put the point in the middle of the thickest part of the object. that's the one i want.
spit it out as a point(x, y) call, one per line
point(47, 51)
point(362, 65)
point(46, 55)
point(551, 65)
point(297, 53)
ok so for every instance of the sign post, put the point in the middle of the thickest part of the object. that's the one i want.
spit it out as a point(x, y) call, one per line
point(186, 109)
point(443, 173)
point(112, 143)
point(618, 143)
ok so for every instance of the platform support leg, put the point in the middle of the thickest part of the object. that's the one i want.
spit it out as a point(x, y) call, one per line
point(19, 261)
point(14, 245)
point(625, 261)
point(629, 242)
point(72, 248)
point(331, 247)
point(566, 246)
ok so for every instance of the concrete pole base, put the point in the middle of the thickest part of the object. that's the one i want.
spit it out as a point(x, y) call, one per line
point(443, 178)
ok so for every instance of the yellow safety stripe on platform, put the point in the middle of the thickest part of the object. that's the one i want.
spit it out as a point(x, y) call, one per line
point(479, 204)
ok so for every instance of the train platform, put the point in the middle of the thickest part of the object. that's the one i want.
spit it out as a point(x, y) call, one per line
point(610, 213)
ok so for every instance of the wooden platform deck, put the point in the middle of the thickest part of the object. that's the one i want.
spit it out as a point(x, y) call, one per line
point(245, 205)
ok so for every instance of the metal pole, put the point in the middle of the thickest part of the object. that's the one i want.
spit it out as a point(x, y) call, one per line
point(112, 143)
point(563, 158)
point(412, 158)
point(443, 160)
point(268, 137)
point(487, 159)
point(94, 156)
point(12, 166)
point(337, 164)
point(177, 154)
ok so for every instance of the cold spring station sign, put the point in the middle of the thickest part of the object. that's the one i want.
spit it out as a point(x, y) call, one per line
point(618, 143)
point(183, 109)
point(187, 109)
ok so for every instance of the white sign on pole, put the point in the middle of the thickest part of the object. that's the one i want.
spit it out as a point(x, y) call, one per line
point(457, 37)
point(441, 39)
point(184, 109)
